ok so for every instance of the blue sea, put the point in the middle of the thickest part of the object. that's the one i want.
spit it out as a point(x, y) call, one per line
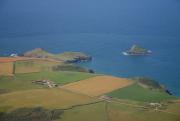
point(102, 29)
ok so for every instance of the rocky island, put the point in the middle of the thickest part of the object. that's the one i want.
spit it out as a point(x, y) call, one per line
point(137, 50)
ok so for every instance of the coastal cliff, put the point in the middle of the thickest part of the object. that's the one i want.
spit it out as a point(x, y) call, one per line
point(151, 84)
point(68, 57)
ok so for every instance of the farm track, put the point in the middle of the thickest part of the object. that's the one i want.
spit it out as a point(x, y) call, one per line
point(118, 101)
point(80, 105)
point(95, 97)
point(106, 110)
point(115, 101)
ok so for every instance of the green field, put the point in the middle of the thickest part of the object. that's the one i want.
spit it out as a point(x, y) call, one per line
point(138, 93)
point(122, 112)
point(48, 98)
point(34, 65)
point(93, 112)
point(38, 65)
point(20, 99)
point(24, 81)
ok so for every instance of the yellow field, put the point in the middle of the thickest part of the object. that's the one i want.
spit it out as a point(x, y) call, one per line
point(174, 107)
point(11, 59)
point(34, 65)
point(99, 85)
point(6, 68)
point(48, 98)
point(25, 65)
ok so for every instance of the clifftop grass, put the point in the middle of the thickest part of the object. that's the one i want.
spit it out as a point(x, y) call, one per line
point(138, 93)
point(66, 56)
point(24, 81)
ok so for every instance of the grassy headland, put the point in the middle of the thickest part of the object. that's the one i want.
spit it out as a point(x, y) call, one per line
point(113, 99)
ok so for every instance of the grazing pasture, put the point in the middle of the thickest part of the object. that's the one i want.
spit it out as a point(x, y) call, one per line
point(138, 93)
point(29, 65)
point(98, 85)
point(10, 66)
point(123, 112)
point(24, 81)
point(35, 65)
point(173, 106)
point(48, 98)
point(93, 112)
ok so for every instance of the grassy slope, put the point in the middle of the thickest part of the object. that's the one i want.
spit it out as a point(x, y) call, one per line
point(94, 112)
point(57, 98)
point(27, 66)
point(37, 65)
point(70, 55)
point(24, 81)
point(174, 106)
point(128, 113)
point(34, 65)
point(48, 98)
point(38, 52)
point(66, 56)
point(31, 114)
point(70, 67)
point(138, 93)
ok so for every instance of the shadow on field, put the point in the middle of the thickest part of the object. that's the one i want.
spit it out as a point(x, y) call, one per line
point(31, 114)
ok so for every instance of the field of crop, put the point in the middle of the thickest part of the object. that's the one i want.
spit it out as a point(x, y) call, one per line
point(35, 65)
point(47, 98)
point(98, 85)
point(11, 59)
point(9, 66)
point(138, 93)
point(122, 112)
point(29, 95)
point(6, 68)
point(24, 81)
point(129, 100)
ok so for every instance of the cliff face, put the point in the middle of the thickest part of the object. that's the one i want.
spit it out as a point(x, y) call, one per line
point(70, 57)
point(151, 84)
